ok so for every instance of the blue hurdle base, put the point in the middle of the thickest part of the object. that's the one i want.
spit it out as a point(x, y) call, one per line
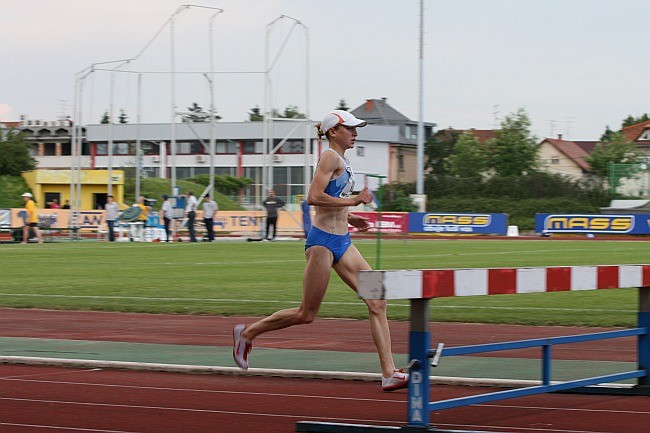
point(327, 427)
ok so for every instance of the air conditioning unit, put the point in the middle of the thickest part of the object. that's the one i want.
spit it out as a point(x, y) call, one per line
point(155, 159)
point(200, 158)
point(277, 158)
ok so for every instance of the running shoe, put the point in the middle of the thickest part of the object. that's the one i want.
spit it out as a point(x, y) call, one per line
point(398, 380)
point(241, 347)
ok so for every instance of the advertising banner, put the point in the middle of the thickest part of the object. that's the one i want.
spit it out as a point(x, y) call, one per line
point(458, 223)
point(60, 218)
point(391, 222)
point(578, 223)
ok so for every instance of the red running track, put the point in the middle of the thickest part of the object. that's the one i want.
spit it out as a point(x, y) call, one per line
point(48, 399)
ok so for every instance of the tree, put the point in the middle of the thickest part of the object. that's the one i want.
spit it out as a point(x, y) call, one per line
point(469, 157)
point(607, 134)
point(342, 105)
point(513, 151)
point(254, 115)
point(106, 118)
point(291, 112)
point(615, 149)
point(123, 118)
point(14, 154)
point(631, 120)
point(437, 149)
point(197, 113)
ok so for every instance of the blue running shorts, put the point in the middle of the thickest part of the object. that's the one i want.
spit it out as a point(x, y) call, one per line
point(337, 244)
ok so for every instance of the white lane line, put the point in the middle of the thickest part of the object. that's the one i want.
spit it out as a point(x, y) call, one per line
point(302, 396)
point(66, 428)
point(272, 301)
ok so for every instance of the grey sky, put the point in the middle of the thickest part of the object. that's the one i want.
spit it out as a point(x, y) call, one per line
point(576, 66)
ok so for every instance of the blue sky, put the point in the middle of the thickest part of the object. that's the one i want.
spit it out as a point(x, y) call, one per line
point(576, 66)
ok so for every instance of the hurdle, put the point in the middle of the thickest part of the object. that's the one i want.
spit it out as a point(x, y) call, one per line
point(421, 286)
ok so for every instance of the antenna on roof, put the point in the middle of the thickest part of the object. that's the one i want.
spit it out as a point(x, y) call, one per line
point(569, 122)
point(551, 127)
point(495, 116)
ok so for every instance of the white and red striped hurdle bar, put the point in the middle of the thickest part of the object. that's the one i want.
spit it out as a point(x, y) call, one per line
point(437, 283)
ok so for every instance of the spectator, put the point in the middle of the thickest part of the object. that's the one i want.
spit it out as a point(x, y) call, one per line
point(112, 213)
point(55, 204)
point(31, 219)
point(166, 210)
point(66, 205)
point(190, 209)
point(306, 217)
point(210, 208)
point(272, 204)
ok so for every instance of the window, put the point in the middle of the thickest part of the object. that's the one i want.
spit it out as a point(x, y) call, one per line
point(188, 148)
point(226, 146)
point(645, 136)
point(555, 160)
point(251, 147)
point(361, 151)
point(230, 171)
point(291, 146)
point(121, 148)
point(49, 149)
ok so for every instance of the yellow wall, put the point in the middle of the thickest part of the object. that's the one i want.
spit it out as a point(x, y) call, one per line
point(58, 181)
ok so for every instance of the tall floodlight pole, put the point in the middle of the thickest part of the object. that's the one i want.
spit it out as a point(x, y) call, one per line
point(138, 141)
point(266, 109)
point(75, 150)
point(307, 145)
point(111, 132)
point(420, 132)
point(267, 169)
point(212, 107)
point(173, 95)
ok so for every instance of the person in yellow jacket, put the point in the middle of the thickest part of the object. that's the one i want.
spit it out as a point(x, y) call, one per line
point(31, 219)
point(145, 210)
point(137, 230)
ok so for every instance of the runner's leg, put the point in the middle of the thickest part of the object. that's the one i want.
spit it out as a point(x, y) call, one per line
point(315, 280)
point(347, 268)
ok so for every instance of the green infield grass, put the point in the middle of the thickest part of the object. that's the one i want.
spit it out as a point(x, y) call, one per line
point(258, 278)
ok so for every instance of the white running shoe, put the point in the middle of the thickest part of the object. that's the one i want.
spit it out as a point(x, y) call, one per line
point(398, 380)
point(241, 347)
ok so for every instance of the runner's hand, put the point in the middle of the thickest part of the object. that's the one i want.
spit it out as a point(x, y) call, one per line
point(364, 196)
point(359, 222)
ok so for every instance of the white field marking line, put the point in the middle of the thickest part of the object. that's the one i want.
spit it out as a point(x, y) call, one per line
point(53, 427)
point(401, 256)
point(380, 400)
point(23, 376)
point(303, 417)
point(206, 391)
point(273, 301)
point(182, 409)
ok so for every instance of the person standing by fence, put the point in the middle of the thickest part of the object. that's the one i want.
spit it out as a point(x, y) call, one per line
point(112, 213)
point(31, 219)
point(210, 208)
point(272, 204)
point(190, 208)
point(167, 211)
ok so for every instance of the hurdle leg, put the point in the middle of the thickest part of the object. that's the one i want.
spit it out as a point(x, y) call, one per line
point(419, 342)
point(643, 344)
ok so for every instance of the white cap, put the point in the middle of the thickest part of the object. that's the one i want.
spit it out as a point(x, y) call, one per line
point(340, 117)
point(28, 194)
